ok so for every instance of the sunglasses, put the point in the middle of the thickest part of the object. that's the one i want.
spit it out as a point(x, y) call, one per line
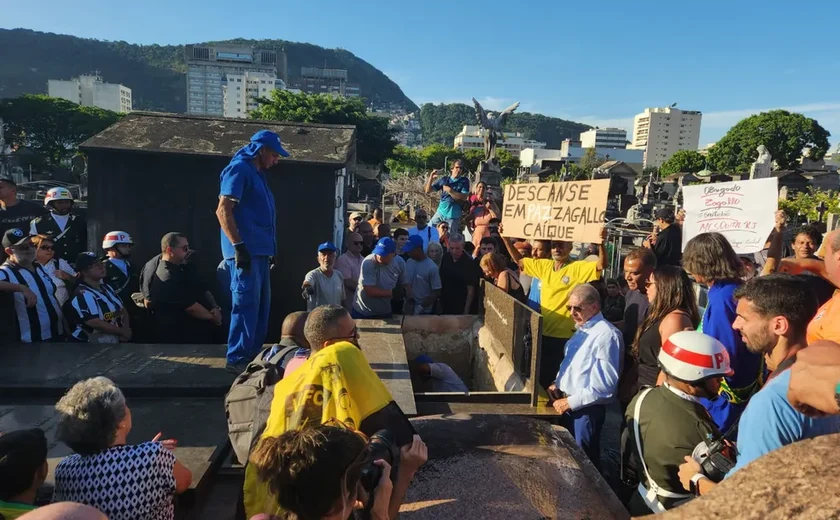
point(357, 219)
point(574, 308)
point(358, 243)
point(46, 248)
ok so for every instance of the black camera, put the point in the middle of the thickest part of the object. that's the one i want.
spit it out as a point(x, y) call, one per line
point(381, 446)
point(719, 460)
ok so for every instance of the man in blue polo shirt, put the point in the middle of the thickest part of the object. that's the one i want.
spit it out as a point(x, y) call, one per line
point(248, 221)
point(456, 191)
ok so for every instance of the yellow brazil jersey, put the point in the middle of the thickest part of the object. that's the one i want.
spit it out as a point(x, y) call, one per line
point(554, 294)
point(12, 510)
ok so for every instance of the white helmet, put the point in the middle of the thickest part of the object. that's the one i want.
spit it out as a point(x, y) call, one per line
point(113, 238)
point(57, 194)
point(693, 356)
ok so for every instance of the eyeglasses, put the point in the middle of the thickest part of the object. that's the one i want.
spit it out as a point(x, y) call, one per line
point(358, 243)
point(354, 334)
point(46, 248)
point(357, 219)
point(574, 308)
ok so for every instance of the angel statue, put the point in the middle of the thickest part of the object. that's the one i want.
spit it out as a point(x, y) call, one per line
point(493, 124)
point(763, 166)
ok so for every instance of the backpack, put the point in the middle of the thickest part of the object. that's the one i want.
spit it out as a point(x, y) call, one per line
point(248, 402)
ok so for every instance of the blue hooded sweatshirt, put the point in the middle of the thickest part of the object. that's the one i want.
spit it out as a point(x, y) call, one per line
point(255, 212)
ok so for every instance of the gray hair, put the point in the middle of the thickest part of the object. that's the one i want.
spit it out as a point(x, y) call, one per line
point(456, 237)
point(587, 294)
point(89, 415)
point(322, 325)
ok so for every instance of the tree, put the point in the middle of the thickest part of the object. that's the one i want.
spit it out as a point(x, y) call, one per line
point(650, 170)
point(583, 168)
point(806, 204)
point(52, 127)
point(374, 139)
point(785, 135)
point(683, 161)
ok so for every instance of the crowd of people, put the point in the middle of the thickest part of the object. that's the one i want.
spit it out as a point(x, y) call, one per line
point(703, 390)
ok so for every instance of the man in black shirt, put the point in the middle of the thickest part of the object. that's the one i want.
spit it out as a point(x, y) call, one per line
point(182, 312)
point(14, 212)
point(459, 276)
point(667, 244)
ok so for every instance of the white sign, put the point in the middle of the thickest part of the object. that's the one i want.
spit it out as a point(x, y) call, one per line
point(742, 211)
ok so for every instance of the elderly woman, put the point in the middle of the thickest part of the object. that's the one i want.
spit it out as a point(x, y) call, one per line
point(126, 482)
point(59, 270)
point(435, 252)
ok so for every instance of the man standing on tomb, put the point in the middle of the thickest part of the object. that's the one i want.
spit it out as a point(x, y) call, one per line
point(248, 219)
point(558, 277)
point(456, 192)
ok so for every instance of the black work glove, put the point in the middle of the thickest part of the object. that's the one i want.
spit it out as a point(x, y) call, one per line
point(271, 262)
point(242, 256)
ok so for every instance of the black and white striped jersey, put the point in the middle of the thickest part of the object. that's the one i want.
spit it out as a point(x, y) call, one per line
point(89, 303)
point(44, 321)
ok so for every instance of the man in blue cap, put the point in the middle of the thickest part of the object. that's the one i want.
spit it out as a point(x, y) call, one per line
point(382, 272)
point(324, 285)
point(423, 275)
point(248, 221)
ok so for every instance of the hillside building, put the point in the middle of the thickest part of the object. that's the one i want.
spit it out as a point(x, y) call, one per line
point(90, 91)
point(662, 132)
point(208, 68)
point(241, 90)
point(471, 137)
point(317, 80)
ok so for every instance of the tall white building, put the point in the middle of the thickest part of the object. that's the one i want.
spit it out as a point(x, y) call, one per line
point(604, 138)
point(91, 91)
point(240, 91)
point(662, 132)
point(208, 67)
point(472, 137)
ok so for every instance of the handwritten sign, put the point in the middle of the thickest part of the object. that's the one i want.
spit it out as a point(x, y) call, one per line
point(571, 211)
point(742, 211)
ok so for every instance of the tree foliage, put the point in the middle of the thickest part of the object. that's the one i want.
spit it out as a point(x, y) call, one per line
point(785, 135)
point(51, 127)
point(374, 139)
point(805, 205)
point(419, 161)
point(683, 161)
point(440, 124)
point(156, 73)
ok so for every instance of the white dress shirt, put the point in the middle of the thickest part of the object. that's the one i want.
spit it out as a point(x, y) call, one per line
point(588, 374)
point(428, 234)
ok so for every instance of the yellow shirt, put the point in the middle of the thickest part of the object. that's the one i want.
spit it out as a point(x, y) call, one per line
point(12, 510)
point(554, 294)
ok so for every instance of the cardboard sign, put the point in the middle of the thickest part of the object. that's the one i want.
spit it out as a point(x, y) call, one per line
point(570, 211)
point(742, 211)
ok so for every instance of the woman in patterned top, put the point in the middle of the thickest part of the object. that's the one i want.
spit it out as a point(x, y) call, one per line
point(126, 482)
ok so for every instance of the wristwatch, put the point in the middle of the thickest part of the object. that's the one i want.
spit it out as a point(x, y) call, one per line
point(693, 488)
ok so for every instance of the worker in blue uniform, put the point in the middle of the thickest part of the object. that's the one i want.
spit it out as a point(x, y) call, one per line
point(248, 221)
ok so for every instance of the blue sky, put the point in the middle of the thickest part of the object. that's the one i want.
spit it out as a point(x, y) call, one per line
point(598, 62)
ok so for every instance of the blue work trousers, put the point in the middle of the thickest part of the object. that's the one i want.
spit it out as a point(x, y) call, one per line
point(251, 303)
point(454, 223)
point(586, 425)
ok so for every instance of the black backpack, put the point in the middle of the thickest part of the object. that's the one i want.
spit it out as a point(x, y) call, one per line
point(248, 402)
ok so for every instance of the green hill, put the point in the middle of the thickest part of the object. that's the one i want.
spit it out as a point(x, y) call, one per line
point(156, 73)
point(440, 124)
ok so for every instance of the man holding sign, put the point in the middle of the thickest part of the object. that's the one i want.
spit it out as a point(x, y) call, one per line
point(558, 276)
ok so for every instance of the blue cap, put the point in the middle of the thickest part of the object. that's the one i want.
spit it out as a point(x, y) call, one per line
point(385, 247)
point(413, 242)
point(423, 358)
point(327, 246)
point(270, 139)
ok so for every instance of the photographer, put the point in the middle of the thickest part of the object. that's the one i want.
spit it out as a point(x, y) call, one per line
point(325, 472)
point(668, 422)
point(773, 315)
point(336, 384)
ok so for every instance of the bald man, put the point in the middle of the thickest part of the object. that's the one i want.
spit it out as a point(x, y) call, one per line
point(293, 349)
point(588, 376)
point(64, 511)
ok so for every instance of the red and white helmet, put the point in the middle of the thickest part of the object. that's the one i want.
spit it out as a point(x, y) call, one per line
point(113, 238)
point(693, 356)
point(57, 194)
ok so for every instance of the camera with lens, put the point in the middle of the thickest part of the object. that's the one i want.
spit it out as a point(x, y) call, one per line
point(381, 446)
point(716, 460)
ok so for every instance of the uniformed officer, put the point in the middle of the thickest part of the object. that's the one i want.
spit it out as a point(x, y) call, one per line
point(120, 275)
point(248, 221)
point(68, 230)
point(668, 422)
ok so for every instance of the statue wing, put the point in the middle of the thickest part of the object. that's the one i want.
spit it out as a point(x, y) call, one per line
point(505, 113)
point(480, 114)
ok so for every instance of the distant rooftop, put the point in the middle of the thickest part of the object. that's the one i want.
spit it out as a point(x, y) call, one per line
point(193, 135)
